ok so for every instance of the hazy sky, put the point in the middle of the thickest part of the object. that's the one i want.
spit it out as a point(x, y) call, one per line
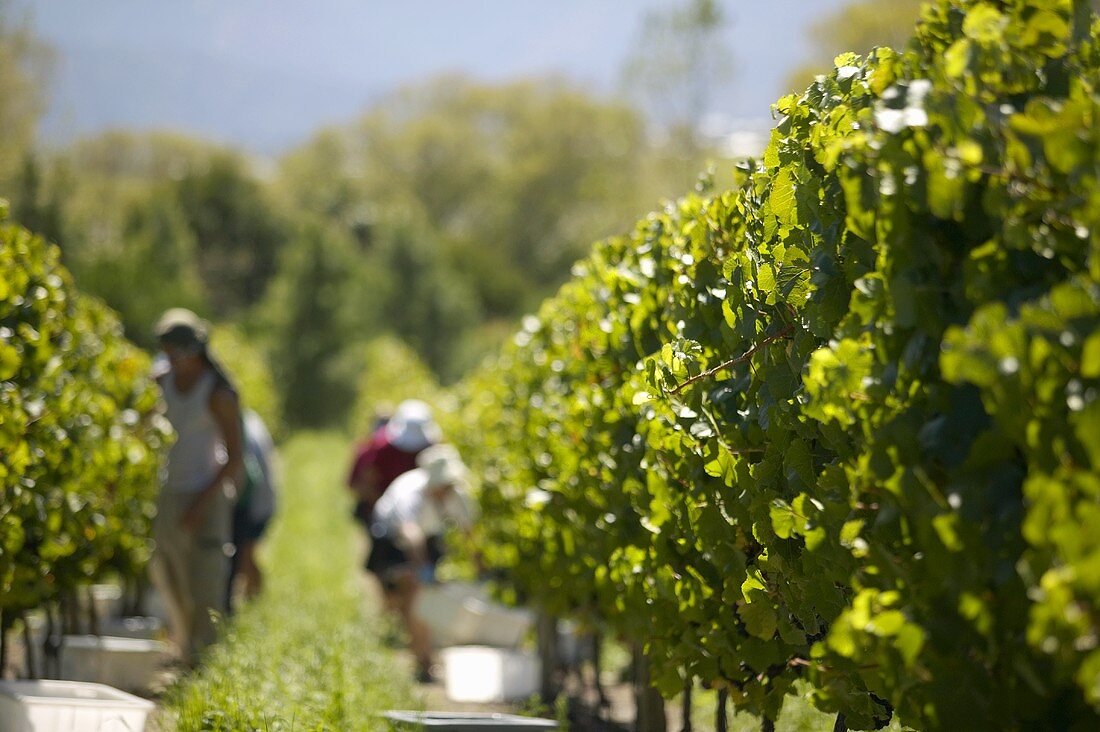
point(265, 73)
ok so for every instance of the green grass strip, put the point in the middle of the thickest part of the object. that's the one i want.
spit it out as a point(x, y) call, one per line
point(308, 654)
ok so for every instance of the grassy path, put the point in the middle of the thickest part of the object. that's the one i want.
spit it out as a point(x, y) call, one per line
point(308, 655)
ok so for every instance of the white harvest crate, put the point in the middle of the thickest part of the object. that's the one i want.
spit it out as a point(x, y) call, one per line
point(69, 706)
point(128, 663)
point(462, 614)
point(482, 674)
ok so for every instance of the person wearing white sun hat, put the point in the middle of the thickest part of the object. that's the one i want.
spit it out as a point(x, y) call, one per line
point(407, 530)
point(412, 428)
point(390, 451)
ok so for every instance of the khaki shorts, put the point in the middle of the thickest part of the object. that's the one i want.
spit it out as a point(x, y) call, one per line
point(191, 570)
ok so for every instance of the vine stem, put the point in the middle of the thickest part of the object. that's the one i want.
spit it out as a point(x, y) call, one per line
point(733, 361)
point(794, 662)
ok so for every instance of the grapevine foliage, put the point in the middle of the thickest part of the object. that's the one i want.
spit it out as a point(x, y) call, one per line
point(79, 438)
point(840, 423)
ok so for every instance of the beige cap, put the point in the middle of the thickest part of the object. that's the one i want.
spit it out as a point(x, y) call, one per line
point(443, 465)
point(181, 319)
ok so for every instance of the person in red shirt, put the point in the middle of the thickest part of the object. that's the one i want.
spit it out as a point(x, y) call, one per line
point(390, 451)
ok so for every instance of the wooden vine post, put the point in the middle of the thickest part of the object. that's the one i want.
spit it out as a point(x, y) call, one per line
point(649, 705)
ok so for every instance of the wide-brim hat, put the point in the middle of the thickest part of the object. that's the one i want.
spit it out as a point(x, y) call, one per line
point(443, 466)
point(180, 325)
point(411, 428)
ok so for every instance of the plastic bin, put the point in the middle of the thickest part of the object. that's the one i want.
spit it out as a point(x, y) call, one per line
point(466, 721)
point(483, 674)
point(462, 614)
point(128, 663)
point(69, 706)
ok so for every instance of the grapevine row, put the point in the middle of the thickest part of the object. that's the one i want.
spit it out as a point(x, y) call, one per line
point(842, 422)
point(79, 438)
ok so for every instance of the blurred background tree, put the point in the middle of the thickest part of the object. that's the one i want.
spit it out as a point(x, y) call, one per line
point(391, 373)
point(466, 204)
point(424, 300)
point(249, 368)
point(311, 325)
point(24, 65)
point(238, 231)
point(514, 180)
point(677, 62)
point(149, 220)
point(153, 245)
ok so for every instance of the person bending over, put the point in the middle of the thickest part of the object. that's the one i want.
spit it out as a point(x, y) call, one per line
point(407, 530)
point(390, 451)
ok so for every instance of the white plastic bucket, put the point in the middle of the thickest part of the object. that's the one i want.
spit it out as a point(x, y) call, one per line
point(69, 706)
point(462, 614)
point(482, 674)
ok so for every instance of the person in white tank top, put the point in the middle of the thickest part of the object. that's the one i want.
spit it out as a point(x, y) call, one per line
point(192, 529)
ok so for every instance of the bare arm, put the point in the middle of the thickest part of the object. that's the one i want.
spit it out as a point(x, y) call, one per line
point(227, 415)
point(414, 542)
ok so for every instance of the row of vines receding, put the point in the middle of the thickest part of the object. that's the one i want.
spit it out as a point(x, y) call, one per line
point(80, 439)
point(840, 424)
